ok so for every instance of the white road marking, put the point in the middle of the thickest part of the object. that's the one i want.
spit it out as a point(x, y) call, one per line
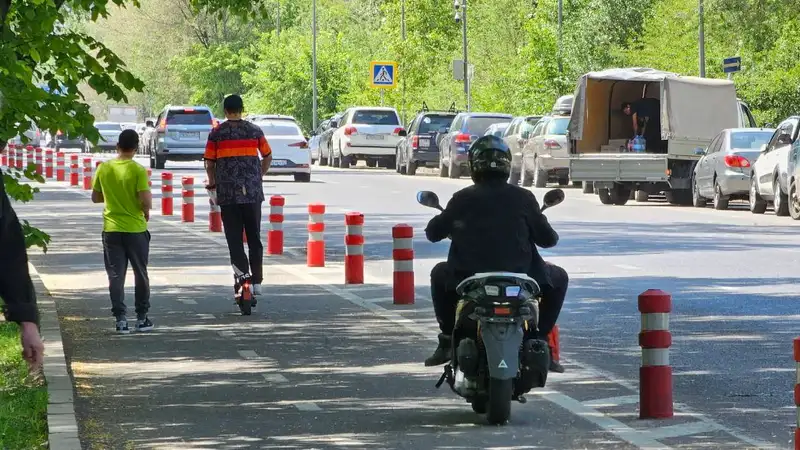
point(226, 334)
point(248, 354)
point(274, 378)
point(187, 301)
point(207, 316)
point(307, 406)
point(683, 429)
point(612, 402)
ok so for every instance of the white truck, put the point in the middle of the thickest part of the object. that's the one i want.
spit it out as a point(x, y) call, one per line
point(122, 114)
point(693, 111)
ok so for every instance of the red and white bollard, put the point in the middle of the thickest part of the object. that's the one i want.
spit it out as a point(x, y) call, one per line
point(275, 233)
point(97, 164)
point(403, 256)
point(150, 177)
point(553, 341)
point(214, 218)
point(166, 194)
point(315, 247)
point(48, 164)
point(29, 156)
point(187, 193)
point(39, 165)
point(655, 374)
point(87, 174)
point(797, 392)
point(354, 248)
point(12, 156)
point(4, 156)
point(74, 170)
point(20, 157)
point(61, 173)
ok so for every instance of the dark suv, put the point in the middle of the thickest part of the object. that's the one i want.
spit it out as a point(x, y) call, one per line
point(418, 145)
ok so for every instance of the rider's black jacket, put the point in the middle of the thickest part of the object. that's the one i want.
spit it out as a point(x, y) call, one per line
point(494, 227)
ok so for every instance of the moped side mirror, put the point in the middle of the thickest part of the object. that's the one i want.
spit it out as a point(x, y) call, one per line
point(429, 199)
point(553, 198)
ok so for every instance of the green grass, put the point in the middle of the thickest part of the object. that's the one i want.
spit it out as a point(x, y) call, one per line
point(23, 399)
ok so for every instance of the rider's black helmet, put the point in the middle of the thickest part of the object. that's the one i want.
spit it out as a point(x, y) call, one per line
point(489, 157)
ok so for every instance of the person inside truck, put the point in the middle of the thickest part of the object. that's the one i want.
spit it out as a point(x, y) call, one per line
point(646, 117)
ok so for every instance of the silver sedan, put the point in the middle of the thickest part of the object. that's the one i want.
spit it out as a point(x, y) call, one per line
point(723, 172)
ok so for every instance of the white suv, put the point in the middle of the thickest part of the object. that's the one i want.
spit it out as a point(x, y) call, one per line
point(366, 133)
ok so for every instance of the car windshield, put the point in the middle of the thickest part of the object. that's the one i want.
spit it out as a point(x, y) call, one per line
point(749, 140)
point(108, 127)
point(497, 130)
point(283, 128)
point(558, 126)
point(189, 117)
point(478, 125)
point(376, 117)
point(433, 123)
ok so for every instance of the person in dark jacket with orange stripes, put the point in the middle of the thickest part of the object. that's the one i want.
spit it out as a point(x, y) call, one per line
point(16, 287)
point(235, 172)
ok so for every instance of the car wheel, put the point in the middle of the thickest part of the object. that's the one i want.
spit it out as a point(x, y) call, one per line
point(443, 172)
point(411, 168)
point(780, 201)
point(302, 177)
point(697, 200)
point(539, 176)
point(720, 200)
point(794, 202)
point(757, 204)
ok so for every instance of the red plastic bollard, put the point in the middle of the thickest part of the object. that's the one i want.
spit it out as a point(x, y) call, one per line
point(354, 248)
point(61, 173)
point(275, 233)
point(48, 164)
point(4, 157)
point(87, 174)
point(187, 193)
point(29, 156)
point(797, 392)
point(554, 342)
point(38, 158)
point(315, 247)
point(166, 194)
point(655, 374)
point(12, 155)
point(20, 157)
point(403, 256)
point(215, 219)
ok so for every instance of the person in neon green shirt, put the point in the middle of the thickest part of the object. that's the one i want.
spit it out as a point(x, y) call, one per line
point(122, 184)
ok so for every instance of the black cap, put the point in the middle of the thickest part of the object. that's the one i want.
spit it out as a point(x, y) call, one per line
point(233, 104)
point(128, 140)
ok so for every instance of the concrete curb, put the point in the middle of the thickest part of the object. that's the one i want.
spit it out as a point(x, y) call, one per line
point(61, 422)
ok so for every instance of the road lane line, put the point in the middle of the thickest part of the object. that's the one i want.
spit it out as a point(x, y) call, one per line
point(187, 301)
point(248, 354)
point(612, 402)
point(307, 406)
point(682, 429)
point(274, 378)
point(626, 267)
point(226, 334)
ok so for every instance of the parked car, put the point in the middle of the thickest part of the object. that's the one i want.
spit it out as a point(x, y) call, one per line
point(768, 180)
point(290, 152)
point(262, 117)
point(64, 141)
point(723, 172)
point(794, 180)
point(516, 136)
point(545, 156)
point(35, 137)
point(313, 143)
point(497, 130)
point(109, 135)
point(322, 137)
point(417, 146)
point(180, 135)
point(369, 134)
point(465, 129)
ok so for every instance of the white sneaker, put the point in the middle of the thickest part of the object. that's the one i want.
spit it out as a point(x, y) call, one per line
point(256, 289)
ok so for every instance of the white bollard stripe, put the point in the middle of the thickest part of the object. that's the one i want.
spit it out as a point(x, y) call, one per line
point(316, 218)
point(655, 321)
point(276, 210)
point(277, 226)
point(404, 266)
point(655, 357)
point(402, 243)
point(315, 236)
point(354, 250)
point(357, 230)
point(188, 200)
point(167, 194)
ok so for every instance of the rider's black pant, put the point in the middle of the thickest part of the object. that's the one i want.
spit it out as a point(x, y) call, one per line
point(445, 299)
point(244, 218)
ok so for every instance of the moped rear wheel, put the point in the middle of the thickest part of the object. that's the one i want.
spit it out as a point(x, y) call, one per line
point(498, 408)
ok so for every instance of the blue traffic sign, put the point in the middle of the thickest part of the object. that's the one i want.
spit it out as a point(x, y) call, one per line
point(384, 74)
point(730, 65)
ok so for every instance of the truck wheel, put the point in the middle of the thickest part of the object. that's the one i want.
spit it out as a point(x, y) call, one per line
point(605, 196)
point(620, 194)
point(642, 196)
point(498, 408)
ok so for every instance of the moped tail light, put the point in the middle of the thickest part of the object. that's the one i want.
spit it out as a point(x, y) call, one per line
point(502, 311)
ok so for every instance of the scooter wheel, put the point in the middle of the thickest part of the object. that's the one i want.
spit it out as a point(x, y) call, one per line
point(246, 307)
point(479, 405)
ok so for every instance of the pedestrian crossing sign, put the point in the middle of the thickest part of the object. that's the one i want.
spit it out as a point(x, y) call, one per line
point(383, 74)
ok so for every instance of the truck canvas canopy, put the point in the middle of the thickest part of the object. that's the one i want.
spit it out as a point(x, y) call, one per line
point(692, 108)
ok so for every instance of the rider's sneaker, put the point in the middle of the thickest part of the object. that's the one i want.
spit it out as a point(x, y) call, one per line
point(256, 289)
point(443, 352)
point(144, 324)
point(122, 325)
point(555, 366)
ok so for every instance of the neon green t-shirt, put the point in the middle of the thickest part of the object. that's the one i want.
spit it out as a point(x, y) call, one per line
point(120, 181)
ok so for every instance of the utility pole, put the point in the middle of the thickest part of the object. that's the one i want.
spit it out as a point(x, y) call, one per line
point(402, 68)
point(314, 63)
point(462, 16)
point(702, 40)
point(278, 24)
point(560, 21)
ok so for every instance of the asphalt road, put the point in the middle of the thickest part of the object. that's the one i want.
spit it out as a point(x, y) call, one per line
point(327, 366)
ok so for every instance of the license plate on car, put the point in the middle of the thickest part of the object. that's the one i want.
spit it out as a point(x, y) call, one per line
point(375, 137)
point(278, 162)
point(425, 142)
point(195, 136)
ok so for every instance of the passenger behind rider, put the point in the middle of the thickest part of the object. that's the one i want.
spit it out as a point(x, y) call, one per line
point(494, 226)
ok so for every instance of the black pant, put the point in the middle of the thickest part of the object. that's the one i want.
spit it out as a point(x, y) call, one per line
point(238, 219)
point(445, 299)
point(119, 249)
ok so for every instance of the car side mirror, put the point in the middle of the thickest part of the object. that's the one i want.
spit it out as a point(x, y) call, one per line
point(334, 124)
point(429, 199)
point(402, 133)
point(552, 198)
point(150, 124)
point(763, 148)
